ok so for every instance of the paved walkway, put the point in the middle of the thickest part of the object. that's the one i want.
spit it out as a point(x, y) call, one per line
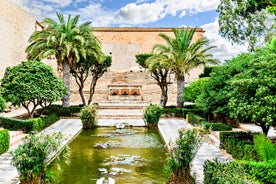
point(169, 129)
point(69, 128)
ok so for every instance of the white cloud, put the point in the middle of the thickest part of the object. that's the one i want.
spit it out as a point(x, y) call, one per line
point(94, 12)
point(142, 12)
point(139, 14)
point(224, 50)
point(61, 3)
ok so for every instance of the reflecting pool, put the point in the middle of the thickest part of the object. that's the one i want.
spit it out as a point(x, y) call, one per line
point(129, 156)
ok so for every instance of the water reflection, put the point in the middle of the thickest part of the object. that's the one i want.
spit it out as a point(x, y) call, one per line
point(127, 154)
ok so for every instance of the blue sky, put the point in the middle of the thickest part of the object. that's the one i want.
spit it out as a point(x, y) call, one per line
point(141, 13)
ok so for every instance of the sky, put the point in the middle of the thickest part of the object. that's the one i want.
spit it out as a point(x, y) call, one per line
point(142, 13)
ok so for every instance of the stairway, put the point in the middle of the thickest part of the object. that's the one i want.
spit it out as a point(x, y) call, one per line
point(111, 113)
point(16, 137)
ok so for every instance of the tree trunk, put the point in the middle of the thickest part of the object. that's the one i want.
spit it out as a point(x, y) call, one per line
point(180, 88)
point(66, 82)
point(92, 90)
point(265, 128)
point(164, 95)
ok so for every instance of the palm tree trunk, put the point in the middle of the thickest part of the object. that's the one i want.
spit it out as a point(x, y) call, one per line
point(66, 82)
point(164, 95)
point(180, 88)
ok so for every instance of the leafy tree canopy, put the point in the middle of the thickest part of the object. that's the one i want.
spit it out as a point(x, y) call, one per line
point(253, 98)
point(31, 84)
point(216, 91)
point(191, 92)
point(244, 21)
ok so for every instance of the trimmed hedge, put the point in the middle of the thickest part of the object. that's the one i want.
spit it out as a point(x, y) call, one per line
point(239, 145)
point(263, 171)
point(216, 126)
point(16, 124)
point(181, 112)
point(216, 172)
point(62, 111)
point(35, 124)
point(195, 119)
point(4, 140)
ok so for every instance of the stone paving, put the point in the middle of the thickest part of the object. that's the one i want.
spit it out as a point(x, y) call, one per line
point(169, 129)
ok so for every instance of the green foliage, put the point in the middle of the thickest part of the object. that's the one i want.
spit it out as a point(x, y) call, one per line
point(141, 59)
point(191, 92)
point(216, 172)
point(49, 120)
point(88, 116)
point(38, 124)
point(35, 124)
point(181, 55)
point(263, 171)
point(265, 149)
point(239, 145)
point(4, 140)
point(180, 112)
point(152, 115)
point(16, 124)
point(89, 66)
point(68, 41)
point(253, 97)
point(31, 84)
point(240, 22)
point(62, 111)
point(187, 146)
point(195, 119)
point(217, 91)
point(216, 126)
point(2, 104)
point(29, 158)
point(208, 70)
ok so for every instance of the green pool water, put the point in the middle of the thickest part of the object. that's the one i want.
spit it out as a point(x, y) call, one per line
point(130, 156)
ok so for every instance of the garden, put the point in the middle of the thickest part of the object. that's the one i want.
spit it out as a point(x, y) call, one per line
point(240, 91)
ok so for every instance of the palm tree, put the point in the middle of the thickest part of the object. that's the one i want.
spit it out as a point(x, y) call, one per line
point(183, 55)
point(68, 42)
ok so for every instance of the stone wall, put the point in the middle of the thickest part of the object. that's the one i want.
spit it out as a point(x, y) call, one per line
point(16, 26)
point(123, 44)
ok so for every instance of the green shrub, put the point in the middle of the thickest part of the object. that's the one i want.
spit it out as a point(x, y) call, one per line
point(152, 115)
point(186, 147)
point(62, 111)
point(2, 104)
point(216, 126)
point(16, 124)
point(50, 119)
point(38, 124)
point(35, 124)
point(29, 158)
point(4, 140)
point(262, 171)
point(88, 116)
point(195, 119)
point(216, 172)
point(239, 144)
point(181, 112)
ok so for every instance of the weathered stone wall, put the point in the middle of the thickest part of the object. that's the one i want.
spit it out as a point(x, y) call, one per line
point(16, 26)
point(123, 44)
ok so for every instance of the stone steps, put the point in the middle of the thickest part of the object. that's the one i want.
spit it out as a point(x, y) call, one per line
point(16, 137)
